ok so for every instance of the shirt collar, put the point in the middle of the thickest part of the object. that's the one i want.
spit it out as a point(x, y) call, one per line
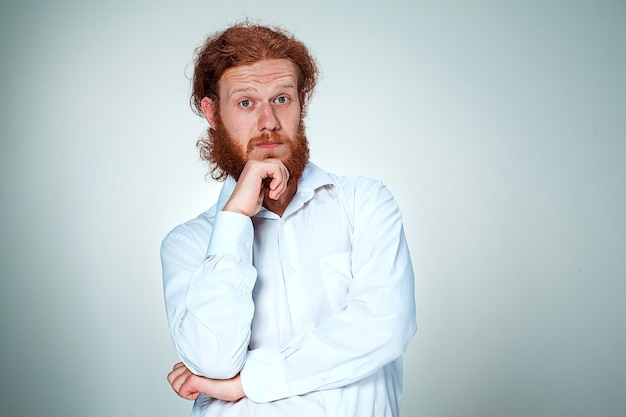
point(313, 178)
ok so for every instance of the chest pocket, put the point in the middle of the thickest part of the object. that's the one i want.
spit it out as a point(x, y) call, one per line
point(336, 273)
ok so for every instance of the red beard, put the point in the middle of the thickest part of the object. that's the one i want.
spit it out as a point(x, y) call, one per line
point(227, 157)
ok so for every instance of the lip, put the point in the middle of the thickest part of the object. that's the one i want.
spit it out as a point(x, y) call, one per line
point(268, 145)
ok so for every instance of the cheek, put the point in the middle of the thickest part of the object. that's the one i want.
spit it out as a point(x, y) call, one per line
point(291, 121)
point(240, 127)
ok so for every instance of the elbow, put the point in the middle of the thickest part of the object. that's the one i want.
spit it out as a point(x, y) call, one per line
point(402, 330)
point(211, 363)
point(410, 328)
point(209, 357)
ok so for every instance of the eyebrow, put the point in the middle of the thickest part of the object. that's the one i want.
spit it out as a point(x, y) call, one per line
point(253, 89)
point(241, 90)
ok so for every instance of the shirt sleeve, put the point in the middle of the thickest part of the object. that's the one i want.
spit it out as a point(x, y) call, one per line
point(373, 329)
point(208, 293)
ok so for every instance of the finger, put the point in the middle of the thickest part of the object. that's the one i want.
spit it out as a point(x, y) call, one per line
point(278, 185)
point(279, 178)
point(188, 390)
point(176, 373)
point(187, 385)
point(177, 370)
point(175, 382)
point(276, 190)
point(171, 377)
point(178, 383)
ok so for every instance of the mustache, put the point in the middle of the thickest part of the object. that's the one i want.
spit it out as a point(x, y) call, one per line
point(267, 137)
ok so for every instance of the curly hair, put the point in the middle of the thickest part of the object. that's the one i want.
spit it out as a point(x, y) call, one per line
point(244, 44)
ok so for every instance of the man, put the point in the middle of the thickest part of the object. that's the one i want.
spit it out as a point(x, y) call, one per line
point(293, 295)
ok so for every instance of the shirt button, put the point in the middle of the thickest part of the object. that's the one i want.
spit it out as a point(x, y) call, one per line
point(248, 244)
point(247, 290)
point(292, 271)
point(305, 324)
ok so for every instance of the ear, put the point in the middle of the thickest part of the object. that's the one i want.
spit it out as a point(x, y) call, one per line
point(209, 109)
point(302, 98)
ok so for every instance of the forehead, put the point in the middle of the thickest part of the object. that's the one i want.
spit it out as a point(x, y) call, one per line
point(264, 74)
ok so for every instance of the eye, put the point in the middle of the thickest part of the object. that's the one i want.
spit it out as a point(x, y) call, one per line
point(282, 99)
point(245, 103)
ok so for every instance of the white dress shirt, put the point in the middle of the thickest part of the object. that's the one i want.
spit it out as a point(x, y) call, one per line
point(314, 308)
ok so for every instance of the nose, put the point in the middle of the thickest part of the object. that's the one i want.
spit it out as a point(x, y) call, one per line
point(267, 118)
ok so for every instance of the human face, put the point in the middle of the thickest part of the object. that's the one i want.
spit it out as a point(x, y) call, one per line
point(259, 100)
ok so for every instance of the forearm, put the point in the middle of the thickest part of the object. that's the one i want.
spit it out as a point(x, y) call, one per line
point(374, 329)
point(189, 386)
point(213, 333)
point(208, 295)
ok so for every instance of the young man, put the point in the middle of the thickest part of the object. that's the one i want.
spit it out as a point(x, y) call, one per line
point(293, 295)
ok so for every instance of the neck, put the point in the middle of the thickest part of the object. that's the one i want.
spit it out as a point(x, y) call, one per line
point(279, 206)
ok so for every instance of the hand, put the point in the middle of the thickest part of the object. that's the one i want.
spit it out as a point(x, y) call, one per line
point(189, 386)
point(247, 197)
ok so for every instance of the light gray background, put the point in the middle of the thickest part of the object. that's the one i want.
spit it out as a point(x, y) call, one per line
point(499, 126)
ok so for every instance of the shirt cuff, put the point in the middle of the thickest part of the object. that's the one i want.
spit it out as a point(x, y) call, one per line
point(263, 376)
point(233, 235)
